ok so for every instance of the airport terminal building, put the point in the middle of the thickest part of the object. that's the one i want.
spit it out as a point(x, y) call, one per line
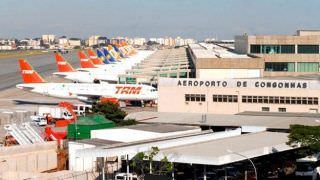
point(256, 56)
point(232, 96)
point(284, 55)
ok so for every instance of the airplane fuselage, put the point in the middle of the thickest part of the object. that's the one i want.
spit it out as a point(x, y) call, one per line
point(84, 90)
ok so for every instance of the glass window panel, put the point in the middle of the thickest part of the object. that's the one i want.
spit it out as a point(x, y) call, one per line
point(225, 98)
point(197, 97)
point(235, 98)
point(315, 100)
point(308, 67)
point(304, 100)
point(255, 99)
point(308, 49)
point(203, 97)
point(187, 97)
point(287, 49)
point(310, 100)
point(244, 99)
point(282, 109)
point(215, 98)
point(271, 99)
point(270, 49)
point(193, 97)
point(287, 100)
point(255, 49)
point(298, 100)
point(280, 66)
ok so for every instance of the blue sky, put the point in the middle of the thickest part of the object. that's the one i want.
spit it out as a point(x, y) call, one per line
point(154, 18)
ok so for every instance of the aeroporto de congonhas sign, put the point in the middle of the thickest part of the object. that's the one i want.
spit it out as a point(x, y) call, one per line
point(241, 83)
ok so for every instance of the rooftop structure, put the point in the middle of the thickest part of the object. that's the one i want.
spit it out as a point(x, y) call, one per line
point(220, 151)
point(212, 60)
point(163, 63)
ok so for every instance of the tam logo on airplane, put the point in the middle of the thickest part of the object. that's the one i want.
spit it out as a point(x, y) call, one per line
point(27, 71)
point(128, 90)
point(84, 59)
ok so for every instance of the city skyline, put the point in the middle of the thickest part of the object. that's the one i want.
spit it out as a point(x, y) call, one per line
point(156, 18)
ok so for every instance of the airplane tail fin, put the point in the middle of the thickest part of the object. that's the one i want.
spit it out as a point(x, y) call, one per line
point(108, 55)
point(84, 61)
point(94, 58)
point(63, 66)
point(118, 51)
point(29, 75)
point(102, 56)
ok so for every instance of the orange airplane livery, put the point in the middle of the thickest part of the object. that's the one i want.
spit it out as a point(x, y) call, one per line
point(127, 90)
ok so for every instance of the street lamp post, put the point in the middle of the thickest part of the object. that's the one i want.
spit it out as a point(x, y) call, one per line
point(254, 167)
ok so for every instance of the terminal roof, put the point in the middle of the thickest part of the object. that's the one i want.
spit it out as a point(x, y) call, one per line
point(206, 50)
point(161, 128)
point(224, 151)
point(270, 121)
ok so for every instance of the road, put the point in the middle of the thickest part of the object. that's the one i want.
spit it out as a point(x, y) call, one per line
point(44, 64)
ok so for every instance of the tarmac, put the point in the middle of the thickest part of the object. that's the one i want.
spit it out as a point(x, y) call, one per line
point(13, 98)
point(43, 64)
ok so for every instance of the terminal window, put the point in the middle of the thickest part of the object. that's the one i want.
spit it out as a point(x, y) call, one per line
point(308, 49)
point(279, 66)
point(282, 109)
point(195, 97)
point(225, 98)
point(308, 67)
point(280, 100)
point(272, 49)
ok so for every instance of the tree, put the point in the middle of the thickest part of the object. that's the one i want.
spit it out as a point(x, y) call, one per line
point(142, 163)
point(112, 112)
point(305, 136)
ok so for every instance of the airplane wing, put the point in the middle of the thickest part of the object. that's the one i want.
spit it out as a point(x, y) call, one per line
point(90, 97)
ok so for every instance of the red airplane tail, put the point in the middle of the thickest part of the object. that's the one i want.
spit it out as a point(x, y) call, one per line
point(84, 61)
point(29, 75)
point(62, 64)
point(94, 58)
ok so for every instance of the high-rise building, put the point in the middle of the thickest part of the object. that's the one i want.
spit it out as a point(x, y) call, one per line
point(48, 39)
point(93, 40)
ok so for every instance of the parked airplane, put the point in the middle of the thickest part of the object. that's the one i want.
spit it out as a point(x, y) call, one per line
point(33, 82)
point(88, 65)
point(88, 75)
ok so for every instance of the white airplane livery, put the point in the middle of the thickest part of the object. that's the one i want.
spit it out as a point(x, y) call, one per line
point(88, 75)
point(33, 82)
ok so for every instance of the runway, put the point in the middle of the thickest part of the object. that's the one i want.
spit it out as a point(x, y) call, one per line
point(44, 64)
